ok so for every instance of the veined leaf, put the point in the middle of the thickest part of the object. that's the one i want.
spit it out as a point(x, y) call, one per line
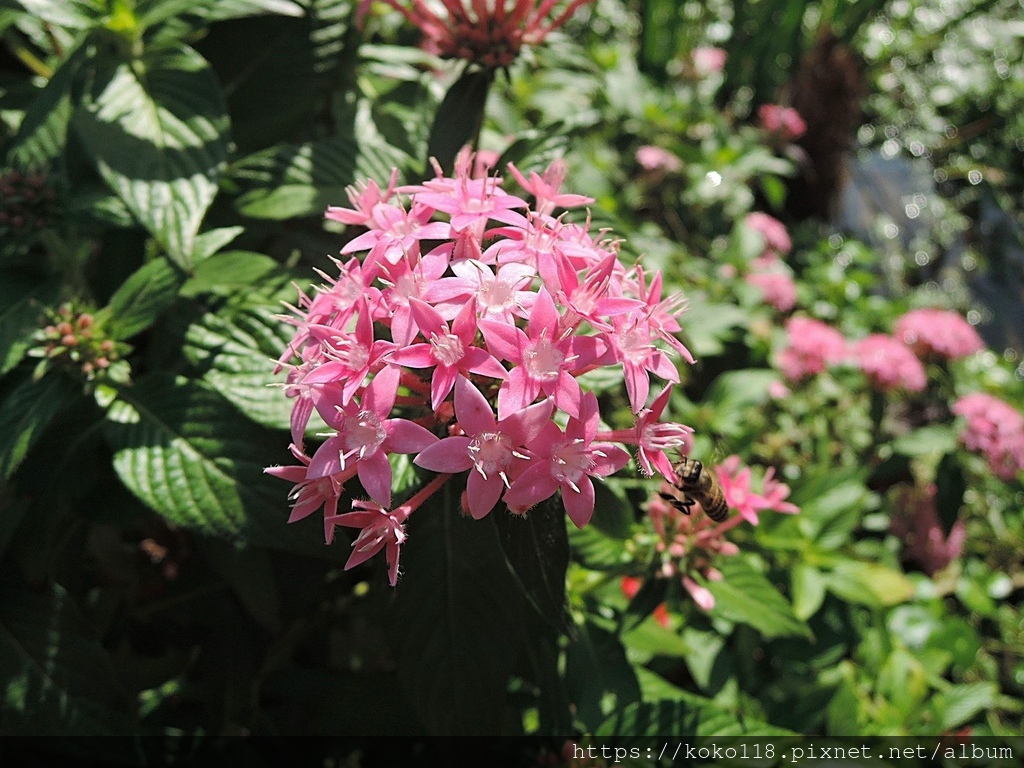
point(25, 410)
point(456, 620)
point(869, 583)
point(237, 353)
point(157, 128)
point(181, 449)
point(141, 299)
point(21, 303)
point(71, 14)
point(57, 677)
point(745, 595)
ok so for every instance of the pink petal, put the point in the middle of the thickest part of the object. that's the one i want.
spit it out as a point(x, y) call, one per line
point(448, 455)
point(533, 486)
point(375, 475)
point(441, 384)
point(614, 459)
point(301, 412)
point(379, 397)
point(517, 392)
point(327, 459)
point(503, 340)
point(416, 356)
point(638, 384)
point(525, 426)
point(478, 360)
point(579, 506)
point(427, 318)
point(483, 494)
point(472, 409)
point(544, 316)
point(567, 394)
point(406, 436)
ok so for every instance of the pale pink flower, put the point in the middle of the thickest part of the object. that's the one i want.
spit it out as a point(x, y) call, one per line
point(566, 462)
point(777, 288)
point(889, 364)
point(652, 158)
point(784, 122)
point(995, 429)
point(494, 450)
point(364, 196)
point(938, 332)
point(701, 595)
point(812, 346)
point(382, 529)
point(312, 493)
point(772, 231)
point(926, 541)
point(487, 32)
point(364, 435)
point(396, 233)
point(708, 60)
point(448, 352)
point(735, 480)
point(546, 188)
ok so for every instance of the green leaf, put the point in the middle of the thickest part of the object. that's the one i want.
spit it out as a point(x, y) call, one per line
point(745, 595)
point(537, 549)
point(228, 272)
point(157, 129)
point(732, 393)
point(709, 324)
point(21, 303)
point(220, 10)
point(71, 14)
point(455, 620)
point(686, 716)
point(459, 117)
point(960, 703)
point(869, 583)
point(933, 439)
point(248, 571)
point(43, 132)
point(142, 298)
point(808, 587)
point(208, 243)
point(236, 351)
point(593, 549)
point(26, 408)
point(57, 678)
point(182, 450)
point(598, 676)
point(950, 487)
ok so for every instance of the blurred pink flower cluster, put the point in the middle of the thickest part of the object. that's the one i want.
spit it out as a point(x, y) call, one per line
point(938, 332)
point(458, 335)
point(486, 32)
point(657, 159)
point(707, 60)
point(784, 122)
point(890, 362)
point(994, 429)
point(773, 232)
point(768, 273)
point(690, 543)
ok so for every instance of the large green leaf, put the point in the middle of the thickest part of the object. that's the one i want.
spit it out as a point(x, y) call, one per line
point(142, 298)
point(26, 407)
point(189, 456)
point(236, 351)
point(72, 14)
point(57, 678)
point(157, 128)
point(745, 595)
point(598, 676)
point(152, 12)
point(459, 117)
point(44, 130)
point(732, 393)
point(869, 583)
point(456, 620)
point(21, 303)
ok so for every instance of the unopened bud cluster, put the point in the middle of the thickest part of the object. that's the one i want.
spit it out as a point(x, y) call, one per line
point(73, 340)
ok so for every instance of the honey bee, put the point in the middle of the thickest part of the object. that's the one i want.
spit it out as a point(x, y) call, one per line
point(695, 484)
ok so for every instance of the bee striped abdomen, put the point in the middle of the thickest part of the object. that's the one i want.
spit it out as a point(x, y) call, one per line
point(697, 484)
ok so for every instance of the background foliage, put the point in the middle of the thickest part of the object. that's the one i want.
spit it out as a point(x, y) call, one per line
point(166, 166)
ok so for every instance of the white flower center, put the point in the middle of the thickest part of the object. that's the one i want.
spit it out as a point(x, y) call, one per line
point(362, 434)
point(570, 461)
point(634, 345)
point(491, 452)
point(543, 360)
point(447, 349)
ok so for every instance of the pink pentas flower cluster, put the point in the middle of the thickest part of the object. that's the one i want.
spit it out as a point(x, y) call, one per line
point(938, 332)
point(707, 60)
point(689, 544)
point(811, 347)
point(455, 330)
point(995, 429)
point(486, 32)
point(657, 159)
point(776, 286)
point(772, 231)
point(889, 364)
point(784, 122)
